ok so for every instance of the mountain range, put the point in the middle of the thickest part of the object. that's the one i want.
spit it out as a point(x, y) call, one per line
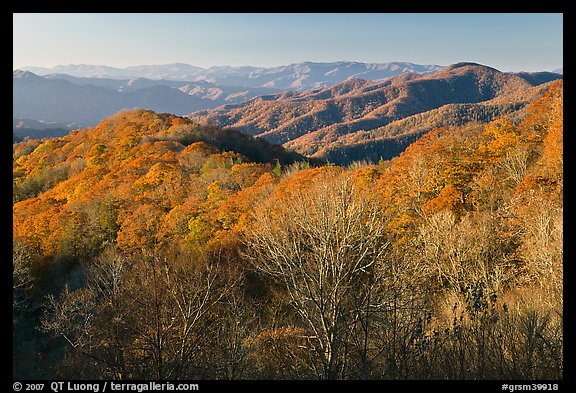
point(341, 112)
point(85, 94)
point(299, 76)
point(361, 114)
point(85, 101)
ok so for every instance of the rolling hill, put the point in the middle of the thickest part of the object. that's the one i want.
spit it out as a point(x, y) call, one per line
point(320, 122)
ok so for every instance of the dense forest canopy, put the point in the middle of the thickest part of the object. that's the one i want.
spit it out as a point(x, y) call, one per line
point(153, 247)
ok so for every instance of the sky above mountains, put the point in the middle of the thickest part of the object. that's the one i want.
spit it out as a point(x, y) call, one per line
point(509, 42)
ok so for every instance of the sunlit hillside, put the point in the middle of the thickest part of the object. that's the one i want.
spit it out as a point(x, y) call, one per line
point(154, 247)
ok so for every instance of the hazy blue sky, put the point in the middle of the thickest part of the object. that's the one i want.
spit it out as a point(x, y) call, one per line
point(508, 42)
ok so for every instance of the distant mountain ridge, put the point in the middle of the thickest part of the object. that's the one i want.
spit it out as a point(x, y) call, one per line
point(299, 76)
point(67, 99)
point(341, 111)
point(317, 121)
point(85, 94)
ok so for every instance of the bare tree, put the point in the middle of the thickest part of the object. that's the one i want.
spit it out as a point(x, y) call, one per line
point(320, 246)
point(21, 276)
point(94, 320)
point(454, 252)
point(146, 316)
point(184, 318)
point(542, 248)
point(237, 324)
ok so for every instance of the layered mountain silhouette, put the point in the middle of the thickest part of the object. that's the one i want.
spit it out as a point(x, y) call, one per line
point(353, 111)
point(299, 76)
point(85, 101)
point(85, 94)
point(365, 116)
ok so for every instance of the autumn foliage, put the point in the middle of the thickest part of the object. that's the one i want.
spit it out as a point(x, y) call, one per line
point(435, 264)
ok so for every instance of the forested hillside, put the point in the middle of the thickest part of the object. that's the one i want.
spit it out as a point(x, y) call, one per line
point(151, 247)
point(332, 122)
